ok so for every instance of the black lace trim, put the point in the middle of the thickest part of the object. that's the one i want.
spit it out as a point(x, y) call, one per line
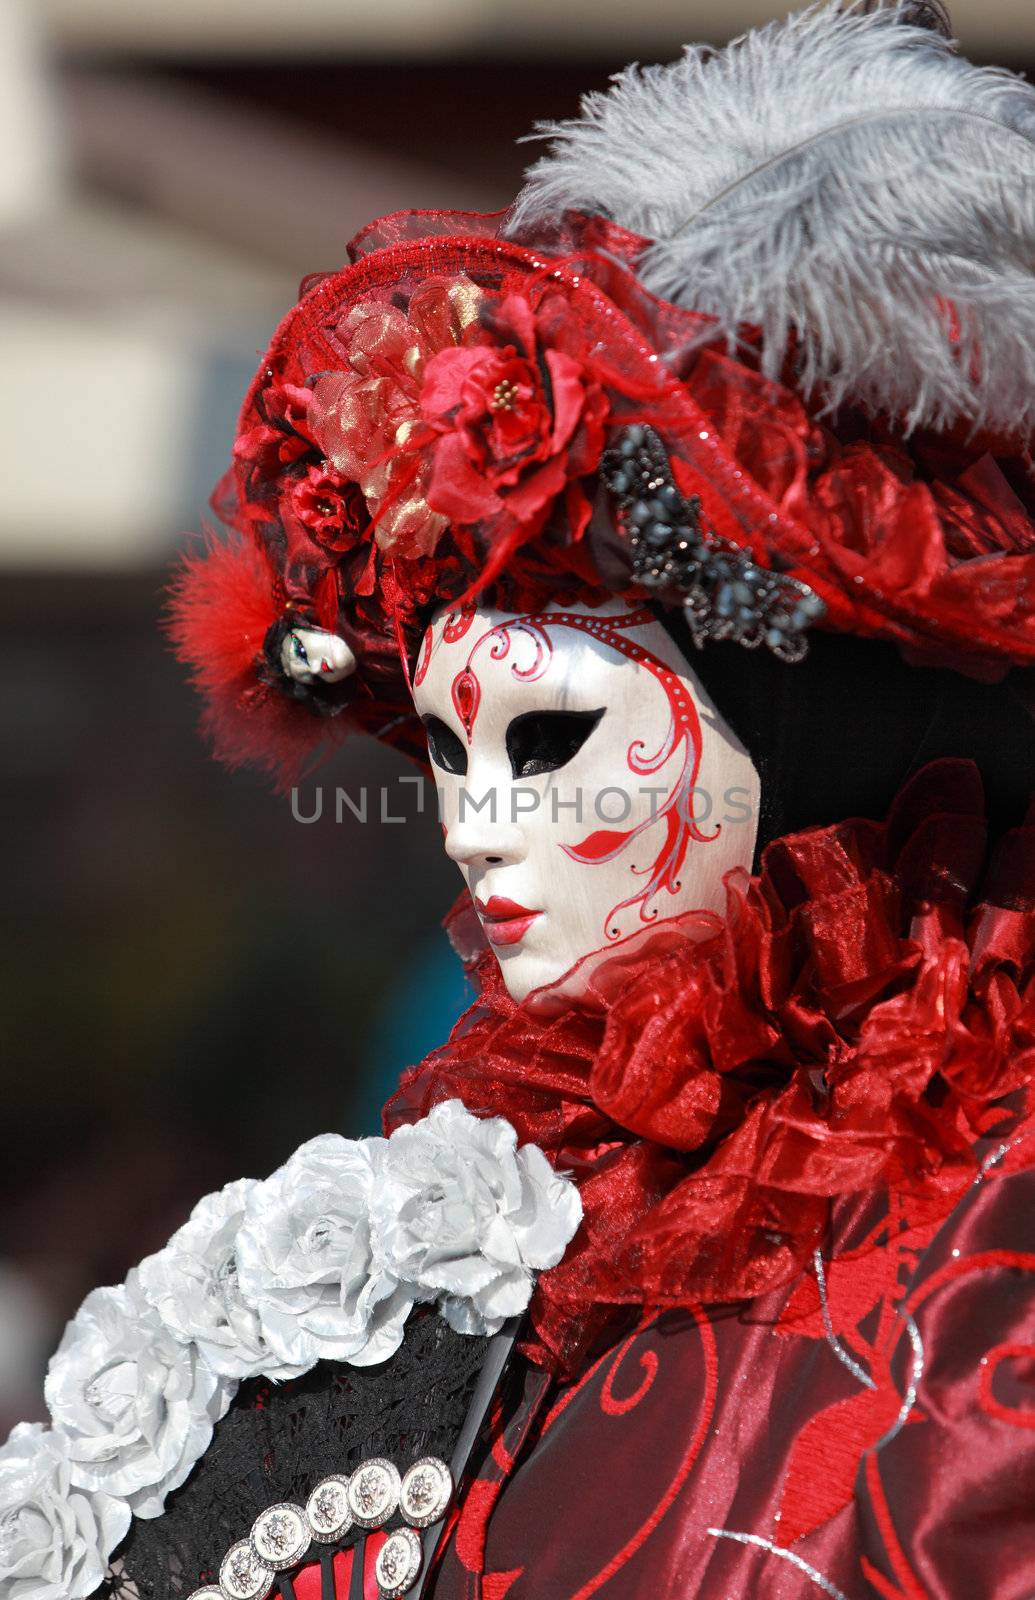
point(278, 1440)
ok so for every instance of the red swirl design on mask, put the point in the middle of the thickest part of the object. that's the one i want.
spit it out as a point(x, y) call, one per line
point(458, 624)
point(677, 809)
point(424, 659)
point(466, 689)
point(682, 736)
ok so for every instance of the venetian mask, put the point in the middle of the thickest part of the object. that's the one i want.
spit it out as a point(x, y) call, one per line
point(589, 791)
point(311, 655)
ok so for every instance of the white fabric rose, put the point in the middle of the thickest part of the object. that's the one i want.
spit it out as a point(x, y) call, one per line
point(322, 1261)
point(138, 1407)
point(308, 1263)
point(468, 1217)
point(193, 1286)
point(54, 1540)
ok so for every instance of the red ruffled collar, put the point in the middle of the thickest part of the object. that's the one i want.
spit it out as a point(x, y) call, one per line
point(862, 1021)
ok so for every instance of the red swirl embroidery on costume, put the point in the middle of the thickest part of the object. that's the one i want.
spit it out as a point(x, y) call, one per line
point(1016, 1416)
point(824, 1461)
point(496, 1585)
point(905, 1584)
point(480, 1498)
point(478, 1504)
point(609, 1404)
point(711, 1382)
point(1021, 1260)
point(573, 1389)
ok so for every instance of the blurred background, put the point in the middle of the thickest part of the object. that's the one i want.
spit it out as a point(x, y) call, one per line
point(194, 980)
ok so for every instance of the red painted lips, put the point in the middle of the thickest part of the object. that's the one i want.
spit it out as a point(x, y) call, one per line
point(504, 921)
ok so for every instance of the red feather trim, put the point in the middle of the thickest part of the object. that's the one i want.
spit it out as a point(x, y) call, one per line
point(222, 602)
point(261, 728)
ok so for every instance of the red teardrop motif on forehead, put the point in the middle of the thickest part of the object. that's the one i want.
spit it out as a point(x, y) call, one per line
point(466, 695)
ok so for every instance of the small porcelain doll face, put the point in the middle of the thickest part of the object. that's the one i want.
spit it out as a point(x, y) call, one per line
point(588, 788)
point(311, 655)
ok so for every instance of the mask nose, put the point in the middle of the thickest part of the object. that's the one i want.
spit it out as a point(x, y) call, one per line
point(478, 839)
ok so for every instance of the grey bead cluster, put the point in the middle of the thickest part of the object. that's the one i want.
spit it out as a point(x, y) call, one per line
point(724, 593)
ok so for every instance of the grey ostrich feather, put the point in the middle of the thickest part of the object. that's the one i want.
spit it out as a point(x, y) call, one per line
point(843, 177)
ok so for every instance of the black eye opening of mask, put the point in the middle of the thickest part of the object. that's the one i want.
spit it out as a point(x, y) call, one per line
point(544, 741)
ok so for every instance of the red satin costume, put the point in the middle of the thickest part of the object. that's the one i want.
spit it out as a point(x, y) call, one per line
point(864, 1428)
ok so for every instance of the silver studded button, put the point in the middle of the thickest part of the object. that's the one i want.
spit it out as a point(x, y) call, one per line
point(398, 1563)
point(243, 1574)
point(425, 1492)
point(280, 1536)
point(210, 1591)
point(373, 1492)
point(327, 1509)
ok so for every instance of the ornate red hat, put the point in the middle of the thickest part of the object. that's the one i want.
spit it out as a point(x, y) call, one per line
point(825, 424)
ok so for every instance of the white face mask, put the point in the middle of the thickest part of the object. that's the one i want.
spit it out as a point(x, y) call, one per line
point(588, 787)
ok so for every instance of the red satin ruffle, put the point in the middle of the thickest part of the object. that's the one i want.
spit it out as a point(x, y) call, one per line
point(861, 1021)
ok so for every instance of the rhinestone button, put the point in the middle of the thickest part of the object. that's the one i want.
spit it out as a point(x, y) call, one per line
point(426, 1488)
point(398, 1563)
point(280, 1536)
point(373, 1492)
point(328, 1509)
point(244, 1575)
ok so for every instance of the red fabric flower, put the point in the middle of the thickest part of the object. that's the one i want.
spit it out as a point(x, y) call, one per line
point(517, 418)
point(368, 418)
point(330, 508)
point(850, 1029)
point(282, 435)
